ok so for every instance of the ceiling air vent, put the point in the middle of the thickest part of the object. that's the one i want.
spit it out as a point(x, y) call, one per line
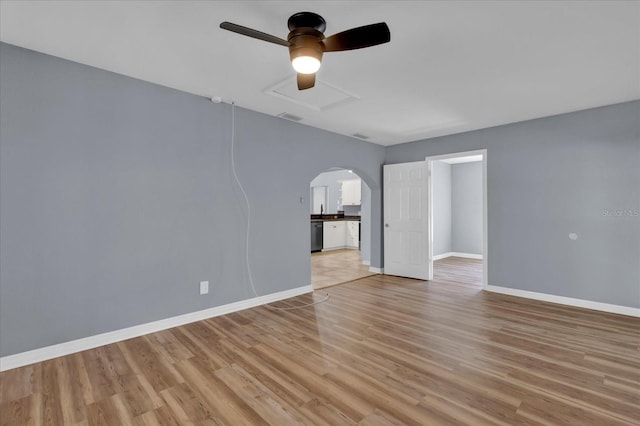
point(360, 136)
point(288, 116)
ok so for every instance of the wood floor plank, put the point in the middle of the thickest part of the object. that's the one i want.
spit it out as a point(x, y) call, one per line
point(320, 412)
point(17, 383)
point(71, 393)
point(109, 411)
point(19, 411)
point(226, 406)
point(276, 381)
point(378, 418)
point(144, 360)
point(336, 267)
point(350, 405)
point(50, 397)
point(186, 407)
point(381, 350)
point(161, 416)
point(263, 401)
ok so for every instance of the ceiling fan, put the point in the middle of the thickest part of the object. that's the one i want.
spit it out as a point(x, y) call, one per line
point(307, 43)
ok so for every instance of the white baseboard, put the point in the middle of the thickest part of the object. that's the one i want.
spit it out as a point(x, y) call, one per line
point(442, 256)
point(42, 354)
point(457, 254)
point(340, 248)
point(366, 262)
point(376, 270)
point(466, 255)
point(570, 301)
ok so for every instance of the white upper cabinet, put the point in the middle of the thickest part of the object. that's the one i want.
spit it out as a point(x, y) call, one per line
point(351, 192)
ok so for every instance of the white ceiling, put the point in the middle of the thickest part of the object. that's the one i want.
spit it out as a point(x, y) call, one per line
point(450, 66)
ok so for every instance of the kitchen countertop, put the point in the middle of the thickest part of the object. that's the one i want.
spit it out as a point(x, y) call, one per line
point(333, 218)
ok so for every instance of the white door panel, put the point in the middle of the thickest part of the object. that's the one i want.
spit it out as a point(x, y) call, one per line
point(405, 220)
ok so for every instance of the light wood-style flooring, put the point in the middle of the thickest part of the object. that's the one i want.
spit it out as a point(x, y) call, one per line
point(380, 351)
point(458, 271)
point(333, 267)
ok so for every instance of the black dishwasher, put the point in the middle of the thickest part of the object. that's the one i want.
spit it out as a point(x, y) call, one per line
point(316, 236)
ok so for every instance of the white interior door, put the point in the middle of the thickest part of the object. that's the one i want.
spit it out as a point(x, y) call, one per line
point(406, 230)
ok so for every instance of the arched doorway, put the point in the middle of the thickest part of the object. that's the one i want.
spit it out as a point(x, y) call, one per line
point(340, 215)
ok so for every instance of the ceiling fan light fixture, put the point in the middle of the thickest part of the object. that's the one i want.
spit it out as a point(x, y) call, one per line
point(305, 54)
point(306, 64)
point(306, 42)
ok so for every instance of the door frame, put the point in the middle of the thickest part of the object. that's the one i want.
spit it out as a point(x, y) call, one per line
point(485, 220)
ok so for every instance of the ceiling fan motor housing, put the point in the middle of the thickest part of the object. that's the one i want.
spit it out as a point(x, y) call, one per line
point(306, 20)
point(305, 42)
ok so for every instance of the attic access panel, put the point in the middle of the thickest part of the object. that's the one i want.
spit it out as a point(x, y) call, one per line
point(321, 97)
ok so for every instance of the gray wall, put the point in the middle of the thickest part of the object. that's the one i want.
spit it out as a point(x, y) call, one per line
point(117, 198)
point(466, 208)
point(548, 178)
point(441, 178)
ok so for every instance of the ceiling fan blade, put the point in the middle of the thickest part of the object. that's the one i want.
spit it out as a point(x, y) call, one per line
point(306, 81)
point(357, 38)
point(253, 33)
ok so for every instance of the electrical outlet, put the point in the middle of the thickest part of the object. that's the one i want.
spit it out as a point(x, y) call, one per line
point(204, 287)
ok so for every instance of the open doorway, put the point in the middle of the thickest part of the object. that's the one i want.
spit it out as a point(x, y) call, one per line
point(458, 218)
point(340, 212)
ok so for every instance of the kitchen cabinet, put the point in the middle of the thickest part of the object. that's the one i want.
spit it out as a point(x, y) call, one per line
point(333, 234)
point(351, 192)
point(340, 234)
point(352, 234)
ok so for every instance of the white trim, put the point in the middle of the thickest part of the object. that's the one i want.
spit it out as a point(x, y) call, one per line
point(376, 270)
point(442, 256)
point(467, 255)
point(485, 221)
point(570, 301)
point(461, 160)
point(340, 248)
point(42, 354)
point(456, 154)
point(366, 262)
point(430, 233)
point(457, 254)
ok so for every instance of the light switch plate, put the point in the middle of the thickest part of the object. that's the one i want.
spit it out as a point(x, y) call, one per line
point(204, 287)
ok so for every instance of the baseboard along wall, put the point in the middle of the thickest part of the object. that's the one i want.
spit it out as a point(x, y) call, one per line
point(569, 301)
point(562, 300)
point(457, 254)
point(42, 354)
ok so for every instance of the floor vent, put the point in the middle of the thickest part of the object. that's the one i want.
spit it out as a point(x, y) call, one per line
point(288, 116)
